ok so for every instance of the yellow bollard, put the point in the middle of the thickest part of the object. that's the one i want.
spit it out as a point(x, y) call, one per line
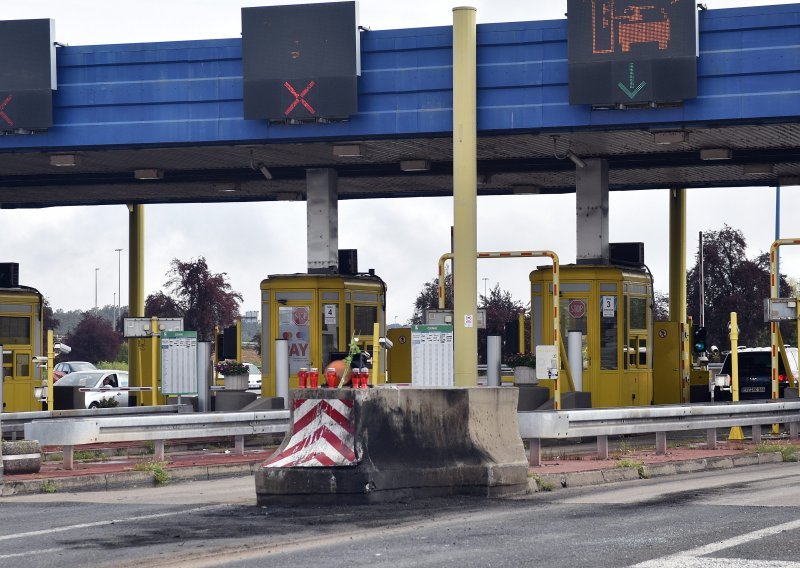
point(736, 433)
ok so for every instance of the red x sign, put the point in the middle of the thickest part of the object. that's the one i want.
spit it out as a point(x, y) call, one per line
point(299, 98)
point(3, 115)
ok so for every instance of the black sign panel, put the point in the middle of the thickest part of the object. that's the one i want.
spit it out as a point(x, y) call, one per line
point(300, 62)
point(27, 74)
point(632, 52)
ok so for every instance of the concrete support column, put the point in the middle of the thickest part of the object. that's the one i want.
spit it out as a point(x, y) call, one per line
point(591, 208)
point(677, 255)
point(322, 212)
point(465, 198)
point(135, 290)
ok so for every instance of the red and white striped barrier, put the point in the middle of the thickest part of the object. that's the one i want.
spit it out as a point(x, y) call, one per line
point(323, 435)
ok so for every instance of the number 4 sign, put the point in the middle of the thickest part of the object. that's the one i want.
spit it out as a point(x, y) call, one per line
point(329, 311)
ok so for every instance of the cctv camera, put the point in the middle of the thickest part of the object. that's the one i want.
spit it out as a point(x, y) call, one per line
point(62, 348)
point(386, 343)
point(714, 349)
point(39, 359)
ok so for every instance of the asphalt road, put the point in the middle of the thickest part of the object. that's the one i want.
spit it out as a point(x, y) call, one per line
point(748, 517)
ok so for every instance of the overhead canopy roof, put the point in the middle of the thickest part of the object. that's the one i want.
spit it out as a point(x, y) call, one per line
point(177, 108)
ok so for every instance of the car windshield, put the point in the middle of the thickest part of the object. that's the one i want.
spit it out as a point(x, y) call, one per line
point(82, 366)
point(80, 380)
point(252, 369)
point(753, 364)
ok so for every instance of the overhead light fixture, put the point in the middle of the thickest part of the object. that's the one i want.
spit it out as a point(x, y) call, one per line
point(264, 171)
point(709, 154)
point(227, 187)
point(347, 150)
point(755, 169)
point(575, 159)
point(669, 137)
point(415, 165)
point(63, 160)
point(526, 189)
point(146, 174)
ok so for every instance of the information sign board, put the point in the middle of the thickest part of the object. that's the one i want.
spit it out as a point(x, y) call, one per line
point(432, 355)
point(179, 362)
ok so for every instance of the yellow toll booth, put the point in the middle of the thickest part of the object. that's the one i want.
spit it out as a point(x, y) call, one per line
point(318, 314)
point(21, 331)
point(611, 307)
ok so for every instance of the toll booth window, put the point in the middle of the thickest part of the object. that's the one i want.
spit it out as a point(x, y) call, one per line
point(15, 330)
point(638, 313)
point(294, 326)
point(573, 318)
point(23, 365)
point(609, 345)
point(365, 317)
point(330, 331)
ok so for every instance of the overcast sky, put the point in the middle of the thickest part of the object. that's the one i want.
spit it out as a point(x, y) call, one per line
point(401, 238)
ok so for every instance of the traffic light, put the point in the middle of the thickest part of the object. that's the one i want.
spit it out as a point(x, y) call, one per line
point(698, 339)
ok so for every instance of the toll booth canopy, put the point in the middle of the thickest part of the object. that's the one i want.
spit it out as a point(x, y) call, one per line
point(612, 308)
point(318, 314)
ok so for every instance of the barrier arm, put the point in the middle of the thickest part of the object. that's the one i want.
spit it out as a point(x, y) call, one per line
point(556, 295)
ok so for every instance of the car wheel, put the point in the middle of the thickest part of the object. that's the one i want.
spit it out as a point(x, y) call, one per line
point(94, 405)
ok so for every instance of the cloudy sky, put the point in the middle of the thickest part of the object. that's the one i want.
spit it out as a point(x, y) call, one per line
point(401, 238)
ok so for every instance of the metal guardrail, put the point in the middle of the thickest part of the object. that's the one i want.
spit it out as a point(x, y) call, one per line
point(78, 431)
point(602, 423)
point(13, 423)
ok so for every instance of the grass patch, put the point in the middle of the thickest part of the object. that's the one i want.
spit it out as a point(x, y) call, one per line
point(788, 452)
point(150, 446)
point(89, 455)
point(541, 483)
point(160, 475)
point(49, 486)
point(634, 464)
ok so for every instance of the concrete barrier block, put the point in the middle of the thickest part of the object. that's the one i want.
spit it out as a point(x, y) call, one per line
point(393, 444)
point(620, 474)
point(21, 457)
point(724, 462)
point(690, 466)
point(660, 470)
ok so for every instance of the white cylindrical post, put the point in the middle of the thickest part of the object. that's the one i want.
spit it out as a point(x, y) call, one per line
point(575, 357)
point(282, 370)
point(494, 350)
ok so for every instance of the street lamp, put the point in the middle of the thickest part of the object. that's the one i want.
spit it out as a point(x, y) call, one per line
point(485, 280)
point(96, 270)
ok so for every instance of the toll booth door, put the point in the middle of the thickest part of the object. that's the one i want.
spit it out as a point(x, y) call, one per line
point(294, 325)
point(667, 384)
point(18, 383)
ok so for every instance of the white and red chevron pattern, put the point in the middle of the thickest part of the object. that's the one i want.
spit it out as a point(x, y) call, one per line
point(323, 435)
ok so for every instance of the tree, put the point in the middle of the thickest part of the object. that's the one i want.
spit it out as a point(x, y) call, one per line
point(733, 283)
point(661, 309)
point(161, 306)
point(428, 298)
point(48, 319)
point(93, 339)
point(205, 299)
point(501, 309)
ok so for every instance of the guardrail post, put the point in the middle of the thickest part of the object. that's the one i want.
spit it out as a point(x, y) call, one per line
point(158, 450)
point(602, 447)
point(68, 457)
point(794, 427)
point(711, 438)
point(239, 445)
point(661, 443)
point(535, 452)
point(756, 433)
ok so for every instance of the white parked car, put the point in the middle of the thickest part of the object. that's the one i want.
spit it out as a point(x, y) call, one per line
point(106, 380)
point(254, 376)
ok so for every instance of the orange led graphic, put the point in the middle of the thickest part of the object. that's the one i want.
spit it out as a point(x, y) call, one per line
point(617, 26)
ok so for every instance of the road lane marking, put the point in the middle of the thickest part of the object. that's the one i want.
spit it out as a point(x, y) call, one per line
point(29, 553)
point(692, 558)
point(110, 522)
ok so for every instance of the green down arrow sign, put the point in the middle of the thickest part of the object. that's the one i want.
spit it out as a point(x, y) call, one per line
point(632, 89)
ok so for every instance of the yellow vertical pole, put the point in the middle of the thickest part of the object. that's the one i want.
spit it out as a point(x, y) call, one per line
point(135, 289)
point(736, 431)
point(155, 358)
point(376, 353)
point(239, 339)
point(465, 197)
point(677, 255)
point(521, 323)
point(50, 363)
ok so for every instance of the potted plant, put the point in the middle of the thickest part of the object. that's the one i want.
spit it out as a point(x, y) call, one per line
point(234, 374)
point(524, 365)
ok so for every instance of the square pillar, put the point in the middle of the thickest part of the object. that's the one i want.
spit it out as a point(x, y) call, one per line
point(322, 212)
point(591, 208)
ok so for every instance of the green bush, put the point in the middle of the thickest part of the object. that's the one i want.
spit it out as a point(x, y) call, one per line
point(115, 365)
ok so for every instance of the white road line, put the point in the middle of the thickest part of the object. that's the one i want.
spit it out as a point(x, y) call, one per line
point(110, 522)
point(691, 558)
point(29, 553)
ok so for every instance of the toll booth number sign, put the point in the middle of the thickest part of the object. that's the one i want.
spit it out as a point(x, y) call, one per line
point(632, 52)
point(432, 355)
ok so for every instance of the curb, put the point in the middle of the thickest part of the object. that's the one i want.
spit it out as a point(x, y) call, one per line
point(123, 479)
point(550, 482)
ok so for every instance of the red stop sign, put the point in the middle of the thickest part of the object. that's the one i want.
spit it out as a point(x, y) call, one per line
point(577, 308)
